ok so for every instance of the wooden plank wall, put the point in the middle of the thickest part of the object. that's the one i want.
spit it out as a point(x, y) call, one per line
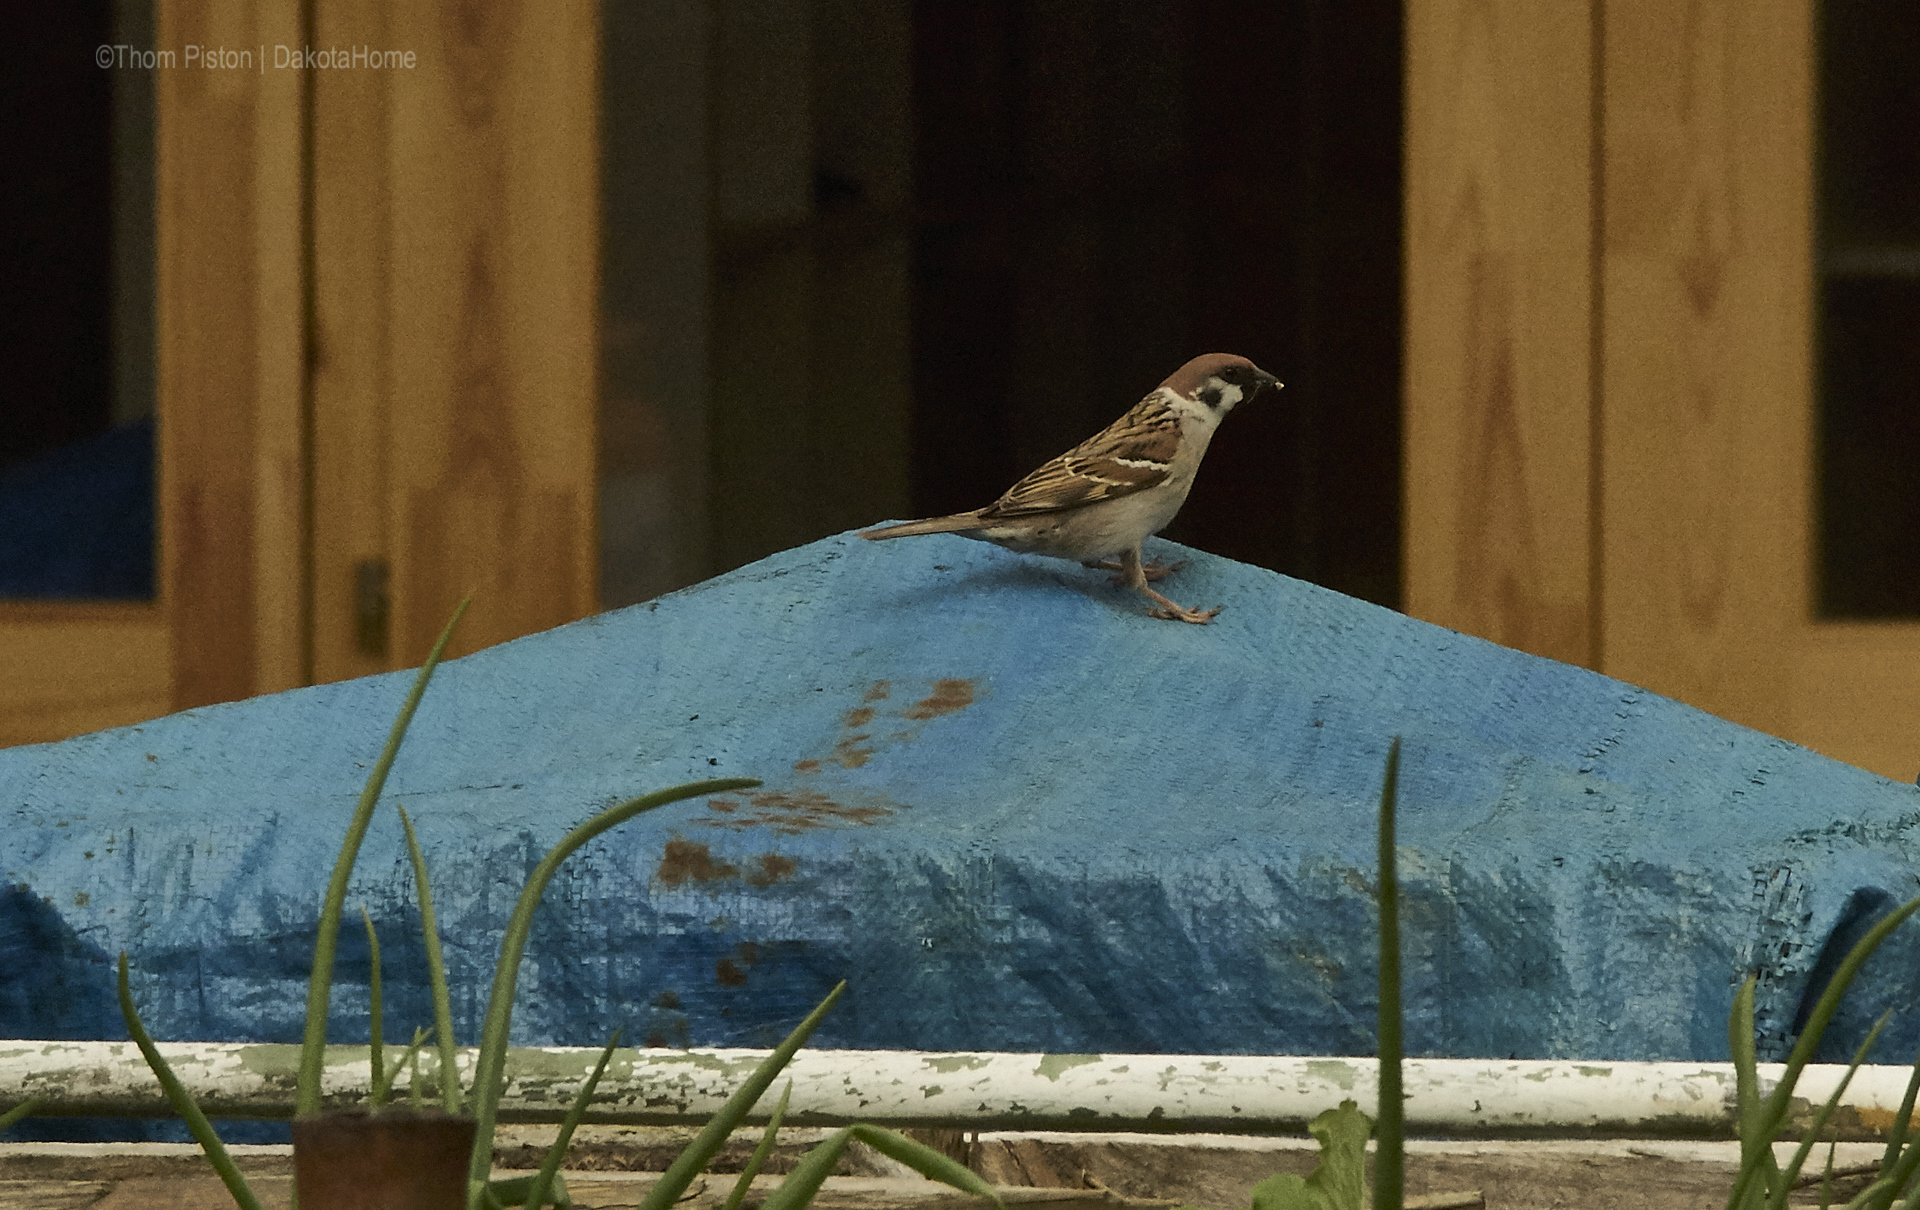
point(71, 667)
point(1609, 332)
point(456, 317)
point(1706, 420)
point(377, 345)
point(229, 344)
point(1498, 347)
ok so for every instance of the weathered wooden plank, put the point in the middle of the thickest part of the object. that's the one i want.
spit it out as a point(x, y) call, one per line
point(1499, 235)
point(71, 667)
point(978, 1090)
point(1708, 118)
point(492, 287)
point(229, 347)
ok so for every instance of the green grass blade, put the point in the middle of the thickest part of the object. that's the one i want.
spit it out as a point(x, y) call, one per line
point(489, 1070)
point(436, 972)
point(28, 1108)
point(1780, 1103)
point(1901, 1176)
point(1897, 1133)
point(714, 1135)
point(797, 1191)
point(320, 984)
point(1877, 1196)
point(1807, 1144)
point(414, 1095)
point(543, 1181)
point(925, 1160)
point(804, 1182)
point(1389, 1161)
point(1756, 1151)
point(376, 1043)
point(1826, 1178)
point(760, 1152)
point(183, 1102)
point(383, 1092)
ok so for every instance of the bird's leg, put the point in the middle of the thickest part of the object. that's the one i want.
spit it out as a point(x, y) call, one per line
point(1155, 570)
point(1136, 579)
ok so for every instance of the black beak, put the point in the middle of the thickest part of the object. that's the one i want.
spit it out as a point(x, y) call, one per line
point(1262, 380)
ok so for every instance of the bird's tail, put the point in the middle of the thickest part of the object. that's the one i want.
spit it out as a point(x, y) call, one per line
point(932, 525)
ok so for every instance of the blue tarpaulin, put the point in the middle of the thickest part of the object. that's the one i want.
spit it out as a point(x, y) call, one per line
point(1012, 810)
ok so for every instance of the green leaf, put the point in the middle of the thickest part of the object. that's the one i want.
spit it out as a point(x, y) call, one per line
point(1760, 1122)
point(489, 1077)
point(1338, 1181)
point(760, 1152)
point(313, 1045)
point(410, 1059)
point(1778, 1201)
point(183, 1102)
point(1897, 1133)
point(376, 1044)
point(1285, 1191)
point(934, 1165)
point(798, 1190)
point(436, 972)
point(690, 1162)
point(1389, 1163)
point(537, 1196)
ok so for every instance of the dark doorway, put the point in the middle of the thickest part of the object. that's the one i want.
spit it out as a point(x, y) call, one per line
point(76, 303)
point(1103, 191)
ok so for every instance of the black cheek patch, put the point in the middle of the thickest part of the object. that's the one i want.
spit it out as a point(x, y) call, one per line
point(1211, 397)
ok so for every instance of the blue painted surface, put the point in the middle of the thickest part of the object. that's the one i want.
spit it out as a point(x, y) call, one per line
point(1013, 810)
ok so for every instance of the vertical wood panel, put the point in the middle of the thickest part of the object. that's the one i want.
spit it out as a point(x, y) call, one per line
point(352, 396)
point(1498, 247)
point(493, 295)
point(279, 470)
point(227, 363)
point(456, 301)
point(1708, 114)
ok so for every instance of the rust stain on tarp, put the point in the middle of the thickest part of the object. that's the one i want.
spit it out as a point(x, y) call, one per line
point(774, 867)
point(791, 812)
point(727, 972)
point(949, 695)
point(690, 861)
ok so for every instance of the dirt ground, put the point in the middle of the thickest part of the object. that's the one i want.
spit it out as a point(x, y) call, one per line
point(608, 1168)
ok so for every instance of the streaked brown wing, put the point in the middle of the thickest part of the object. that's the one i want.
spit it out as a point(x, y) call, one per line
point(1129, 455)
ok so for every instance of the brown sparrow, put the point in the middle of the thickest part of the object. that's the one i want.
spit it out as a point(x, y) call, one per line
point(1100, 500)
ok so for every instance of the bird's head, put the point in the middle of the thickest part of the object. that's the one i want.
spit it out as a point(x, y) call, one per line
point(1218, 381)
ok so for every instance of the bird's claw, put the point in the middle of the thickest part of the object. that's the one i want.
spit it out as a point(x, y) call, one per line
point(1199, 617)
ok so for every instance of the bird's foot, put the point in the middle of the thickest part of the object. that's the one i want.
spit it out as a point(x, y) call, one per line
point(1155, 570)
point(1178, 613)
point(1169, 611)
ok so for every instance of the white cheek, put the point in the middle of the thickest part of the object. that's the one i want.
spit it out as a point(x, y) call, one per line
point(1229, 395)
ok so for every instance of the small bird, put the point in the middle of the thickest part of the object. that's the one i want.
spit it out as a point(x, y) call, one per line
point(1096, 503)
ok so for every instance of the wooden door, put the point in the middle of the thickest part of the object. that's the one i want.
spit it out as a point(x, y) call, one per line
point(1609, 394)
point(376, 343)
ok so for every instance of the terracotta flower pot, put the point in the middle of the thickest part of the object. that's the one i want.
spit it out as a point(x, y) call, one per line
point(398, 1159)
